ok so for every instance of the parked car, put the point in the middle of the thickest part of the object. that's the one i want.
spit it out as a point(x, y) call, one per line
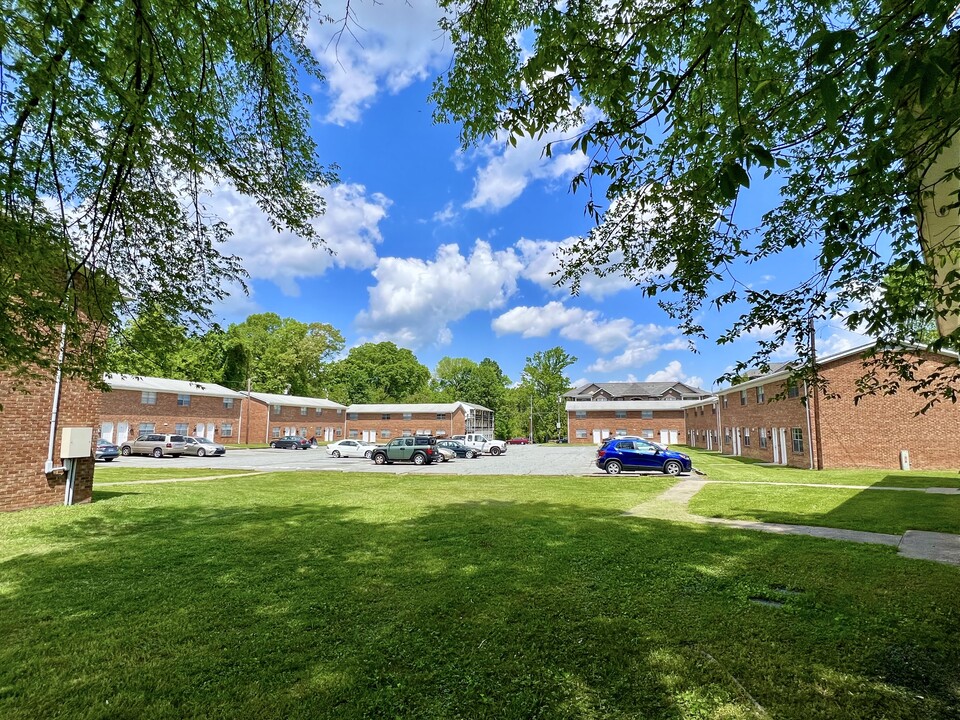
point(478, 441)
point(444, 454)
point(291, 442)
point(201, 447)
point(155, 444)
point(350, 448)
point(619, 454)
point(419, 449)
point(518, 441)
point(458, 448)
point(106, 450)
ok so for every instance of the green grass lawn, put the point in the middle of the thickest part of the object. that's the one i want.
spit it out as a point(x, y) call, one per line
point(731, 469)
point(882, 511)
point(113, 473)
point(324, 595)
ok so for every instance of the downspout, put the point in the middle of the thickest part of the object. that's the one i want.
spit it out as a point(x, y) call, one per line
point(717, 404)
point(58, 384)
point(806, 407)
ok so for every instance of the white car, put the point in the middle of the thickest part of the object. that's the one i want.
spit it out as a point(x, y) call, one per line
point(350, 448)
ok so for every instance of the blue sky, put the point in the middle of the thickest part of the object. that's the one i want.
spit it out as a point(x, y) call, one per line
point(448, 252)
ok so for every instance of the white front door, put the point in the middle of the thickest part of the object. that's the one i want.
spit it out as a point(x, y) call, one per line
point(783, 446)
point(709, 439)
point(106, 431)
point(664, 437)
point(596, 437)
point(736, 441)
point(674, 437)
point(123, 432)
point(198, 432)
point(211, 431)
point(775, 441)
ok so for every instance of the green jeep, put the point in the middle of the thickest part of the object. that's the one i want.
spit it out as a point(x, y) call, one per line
point(420, 450)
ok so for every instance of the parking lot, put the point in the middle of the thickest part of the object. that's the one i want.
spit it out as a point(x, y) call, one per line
point(518, 460)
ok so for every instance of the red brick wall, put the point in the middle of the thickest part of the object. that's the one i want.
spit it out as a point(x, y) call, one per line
point(266, 423)
point(787, 413)
point(125, 405)
point(25, 429)
point(701, 421)
point(873, 432)
point(633, 424)
point(454, 424)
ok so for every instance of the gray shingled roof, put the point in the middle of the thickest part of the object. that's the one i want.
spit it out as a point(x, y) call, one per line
point(637, 389)
point(295, 401)
point(141, 383)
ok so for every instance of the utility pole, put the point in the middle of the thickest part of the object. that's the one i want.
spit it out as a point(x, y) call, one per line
point(811, 330)
point(531, 414)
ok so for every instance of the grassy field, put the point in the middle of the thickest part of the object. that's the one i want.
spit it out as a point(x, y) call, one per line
point(874, 510)
point(717, 467)
point(321, 595)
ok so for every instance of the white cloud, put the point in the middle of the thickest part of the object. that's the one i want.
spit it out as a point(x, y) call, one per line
point(641, 350)
point(542, 261)
point(640, 343)
point(386, 47)
point(673, 372)
point(509, 170)
point(447, 215)
point(350, 227)
point(414, 299)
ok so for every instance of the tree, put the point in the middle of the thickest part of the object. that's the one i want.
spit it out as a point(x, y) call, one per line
point(850, 109)
point(377, 373)
point(462, 379)
point(543, 382)
point(183, 355)
point(285, 355)
point(115, 118)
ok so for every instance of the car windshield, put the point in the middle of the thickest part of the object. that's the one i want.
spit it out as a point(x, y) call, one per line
point(203, 441)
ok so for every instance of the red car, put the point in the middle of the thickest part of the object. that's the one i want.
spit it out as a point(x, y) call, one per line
point(518, 441)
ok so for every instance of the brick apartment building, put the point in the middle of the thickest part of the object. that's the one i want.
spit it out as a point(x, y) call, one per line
point(653, 410)
point(268, 416)
point(25, 426)
point(659, 420)
point(831, 432)
point(379, 423)
point(138, 405)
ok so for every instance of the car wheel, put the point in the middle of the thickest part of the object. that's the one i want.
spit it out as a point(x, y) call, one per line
point(380, 459)
point(125, 451)
point(613, 467)
point(419, 459)
point(157, 453)
point(475, 455)
point(201, 453)
point(368, 454)
point(494, 451)
point(336, 453)
point(672, 467)
point(273, 445)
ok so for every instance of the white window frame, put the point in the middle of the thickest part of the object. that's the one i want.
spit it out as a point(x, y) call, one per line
point(148, 397)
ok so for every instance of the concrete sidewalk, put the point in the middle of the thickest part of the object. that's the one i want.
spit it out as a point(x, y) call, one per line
point(672, 505)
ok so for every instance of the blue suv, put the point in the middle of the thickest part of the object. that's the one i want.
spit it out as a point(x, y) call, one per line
point(618, 454)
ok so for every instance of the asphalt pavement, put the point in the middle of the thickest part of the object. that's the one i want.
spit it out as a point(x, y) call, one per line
point(518, 460)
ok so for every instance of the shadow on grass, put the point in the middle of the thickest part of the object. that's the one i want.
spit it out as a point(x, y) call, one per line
point(871, 510)
point(483, 609)
point(918, 481)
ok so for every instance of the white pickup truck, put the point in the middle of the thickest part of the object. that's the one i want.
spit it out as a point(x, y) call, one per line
point(479, 442)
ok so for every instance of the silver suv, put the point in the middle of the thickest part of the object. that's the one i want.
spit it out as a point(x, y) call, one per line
point(156, 444)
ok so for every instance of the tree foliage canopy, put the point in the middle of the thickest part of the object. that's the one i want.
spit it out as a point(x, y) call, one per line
point(115, 118)
point(543, 382)
point(377, 373)
point(850, 108)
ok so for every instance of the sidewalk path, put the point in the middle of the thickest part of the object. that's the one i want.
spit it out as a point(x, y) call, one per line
point(672, 505)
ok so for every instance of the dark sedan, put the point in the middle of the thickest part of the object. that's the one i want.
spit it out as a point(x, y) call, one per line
point(461, 450)
point(291, 442)
point(106, 450)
